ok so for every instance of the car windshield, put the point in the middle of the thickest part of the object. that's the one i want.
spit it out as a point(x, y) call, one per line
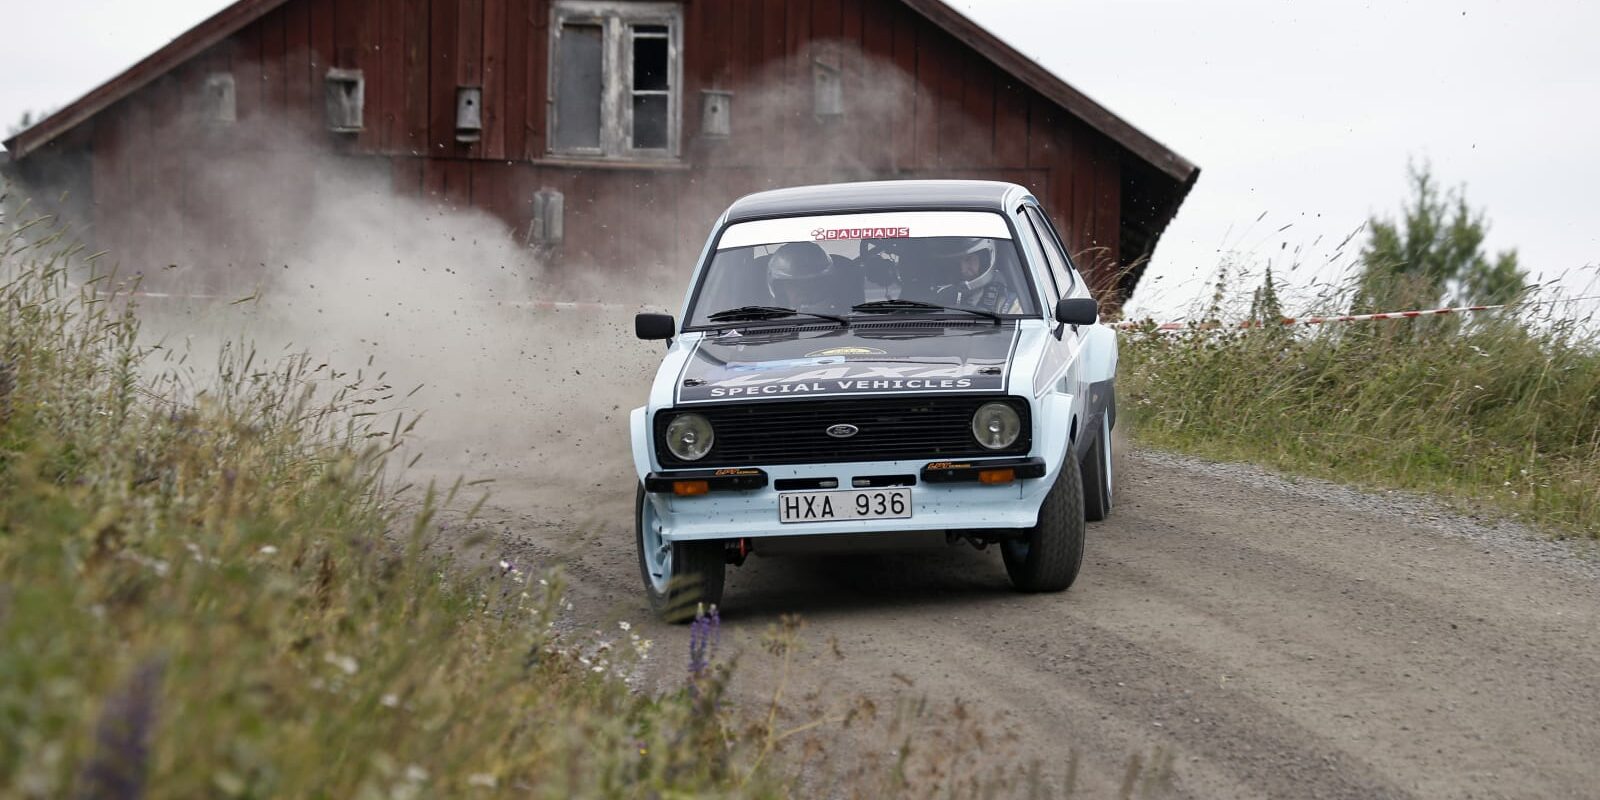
point(862, 266)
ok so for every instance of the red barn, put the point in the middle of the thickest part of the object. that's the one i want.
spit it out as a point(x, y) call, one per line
point(574, 120)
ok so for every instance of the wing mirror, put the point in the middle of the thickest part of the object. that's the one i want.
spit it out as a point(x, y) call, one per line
point(1077, 311)
point(655, 327)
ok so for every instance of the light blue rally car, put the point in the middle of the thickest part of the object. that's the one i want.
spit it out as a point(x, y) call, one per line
point(863, 360)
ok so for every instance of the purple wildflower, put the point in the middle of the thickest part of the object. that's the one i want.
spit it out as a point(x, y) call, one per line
point(121, 757)
point(705, 633)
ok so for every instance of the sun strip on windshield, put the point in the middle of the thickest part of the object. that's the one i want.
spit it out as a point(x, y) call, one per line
point(893, 225)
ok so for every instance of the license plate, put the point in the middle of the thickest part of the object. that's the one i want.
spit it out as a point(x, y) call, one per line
point(845, 505)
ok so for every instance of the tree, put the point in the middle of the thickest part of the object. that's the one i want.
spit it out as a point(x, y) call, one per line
point(27, 121)
point(1435, 253)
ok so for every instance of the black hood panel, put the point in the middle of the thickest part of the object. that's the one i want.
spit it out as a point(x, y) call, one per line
point(765, 365)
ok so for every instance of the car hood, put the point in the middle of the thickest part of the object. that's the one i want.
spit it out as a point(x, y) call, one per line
point(923, 358)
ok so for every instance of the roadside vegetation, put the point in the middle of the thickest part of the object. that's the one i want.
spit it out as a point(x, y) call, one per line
point(1498, 409)
point(212, 588)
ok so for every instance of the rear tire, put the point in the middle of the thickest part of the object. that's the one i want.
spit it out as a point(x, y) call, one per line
point(1046, 558)
point(1097, 471)
point(679, 577)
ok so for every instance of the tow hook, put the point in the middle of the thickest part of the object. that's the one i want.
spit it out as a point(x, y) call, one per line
point(738, 550)
point(977, 541)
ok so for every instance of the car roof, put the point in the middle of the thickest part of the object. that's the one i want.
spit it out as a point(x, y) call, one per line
point(842, 198)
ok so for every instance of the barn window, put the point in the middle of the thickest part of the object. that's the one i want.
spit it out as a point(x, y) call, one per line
point(344, 100)
point(219, 102)
point(615, 75)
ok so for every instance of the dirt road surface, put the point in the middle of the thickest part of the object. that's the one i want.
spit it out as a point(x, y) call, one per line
point(1263, 642)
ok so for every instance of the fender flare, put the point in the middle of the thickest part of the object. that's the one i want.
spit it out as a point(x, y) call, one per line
point(1099, 354)
point(639, 431)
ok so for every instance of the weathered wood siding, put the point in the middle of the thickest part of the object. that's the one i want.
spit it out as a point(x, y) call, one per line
point(919, 103)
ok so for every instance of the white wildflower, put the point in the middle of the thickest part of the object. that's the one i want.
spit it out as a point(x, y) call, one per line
point(416, 774)
point(482, 780)
point(624, 625)
point(390, 700)
point(267, 550)
point(346, 664)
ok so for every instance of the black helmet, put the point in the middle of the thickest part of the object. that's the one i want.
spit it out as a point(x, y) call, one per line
point(799, 272)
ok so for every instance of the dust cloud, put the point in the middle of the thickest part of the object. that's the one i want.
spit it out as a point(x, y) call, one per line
point(412, 295)
point(339, 264)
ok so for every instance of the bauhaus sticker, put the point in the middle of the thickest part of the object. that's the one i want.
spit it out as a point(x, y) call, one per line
point(832, 234)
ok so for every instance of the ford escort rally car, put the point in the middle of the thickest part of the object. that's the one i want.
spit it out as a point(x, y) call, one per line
point(856, 361)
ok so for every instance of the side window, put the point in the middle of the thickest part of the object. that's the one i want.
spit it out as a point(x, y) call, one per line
point(1060, 267)
point(1031, 242)
point(615, 79)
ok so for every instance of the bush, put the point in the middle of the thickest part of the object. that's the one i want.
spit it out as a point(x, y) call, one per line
point(1502, 407)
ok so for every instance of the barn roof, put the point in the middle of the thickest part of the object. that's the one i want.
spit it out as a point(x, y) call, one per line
point(235, 17)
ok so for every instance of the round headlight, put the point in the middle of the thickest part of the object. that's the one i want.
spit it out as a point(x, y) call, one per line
point(996, 425)
point(689, 437)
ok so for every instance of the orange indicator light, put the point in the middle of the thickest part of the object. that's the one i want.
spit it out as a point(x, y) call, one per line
point(690, 488)
point(997, 476)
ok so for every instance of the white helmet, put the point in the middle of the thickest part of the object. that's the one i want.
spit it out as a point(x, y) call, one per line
point(959, 247)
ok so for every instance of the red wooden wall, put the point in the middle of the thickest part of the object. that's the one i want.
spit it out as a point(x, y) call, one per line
point(918, 104)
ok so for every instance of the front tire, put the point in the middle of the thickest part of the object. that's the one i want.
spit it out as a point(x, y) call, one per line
point(679, 577)
point(1097, 475)
point(1046, 558)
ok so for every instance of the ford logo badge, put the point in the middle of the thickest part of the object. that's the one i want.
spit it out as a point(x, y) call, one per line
point(843, 431)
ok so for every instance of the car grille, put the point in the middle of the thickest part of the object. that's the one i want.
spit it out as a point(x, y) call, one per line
point(891, 429)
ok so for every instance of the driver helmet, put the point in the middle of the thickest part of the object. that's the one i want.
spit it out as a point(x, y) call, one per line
point(955, 250)
point(799, 274)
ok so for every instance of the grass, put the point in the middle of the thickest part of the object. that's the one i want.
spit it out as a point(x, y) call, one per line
point(211, 587)
point(1499, 411)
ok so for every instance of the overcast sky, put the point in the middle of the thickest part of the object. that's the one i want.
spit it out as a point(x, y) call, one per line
point(1305, 111)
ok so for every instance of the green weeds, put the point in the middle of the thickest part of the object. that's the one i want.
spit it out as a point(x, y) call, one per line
point(1501, 408)
point(210, 588)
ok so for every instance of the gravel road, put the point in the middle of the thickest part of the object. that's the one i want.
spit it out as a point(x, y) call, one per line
point(1239, 634)
point(1268, 638)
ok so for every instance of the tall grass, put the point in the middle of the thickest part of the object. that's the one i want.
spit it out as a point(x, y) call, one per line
point(1500, 409)
point(208, 588)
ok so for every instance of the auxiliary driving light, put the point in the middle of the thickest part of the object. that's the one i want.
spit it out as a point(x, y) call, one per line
point(689, 437)
point(996, 425)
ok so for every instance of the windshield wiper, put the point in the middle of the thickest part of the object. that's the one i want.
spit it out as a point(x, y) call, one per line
point(753, 313)
point(912, 306)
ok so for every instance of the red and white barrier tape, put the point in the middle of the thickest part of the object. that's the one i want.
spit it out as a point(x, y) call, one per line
point(1289, 321)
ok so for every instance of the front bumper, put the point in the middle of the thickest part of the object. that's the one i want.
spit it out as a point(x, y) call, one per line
point(936, 505)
